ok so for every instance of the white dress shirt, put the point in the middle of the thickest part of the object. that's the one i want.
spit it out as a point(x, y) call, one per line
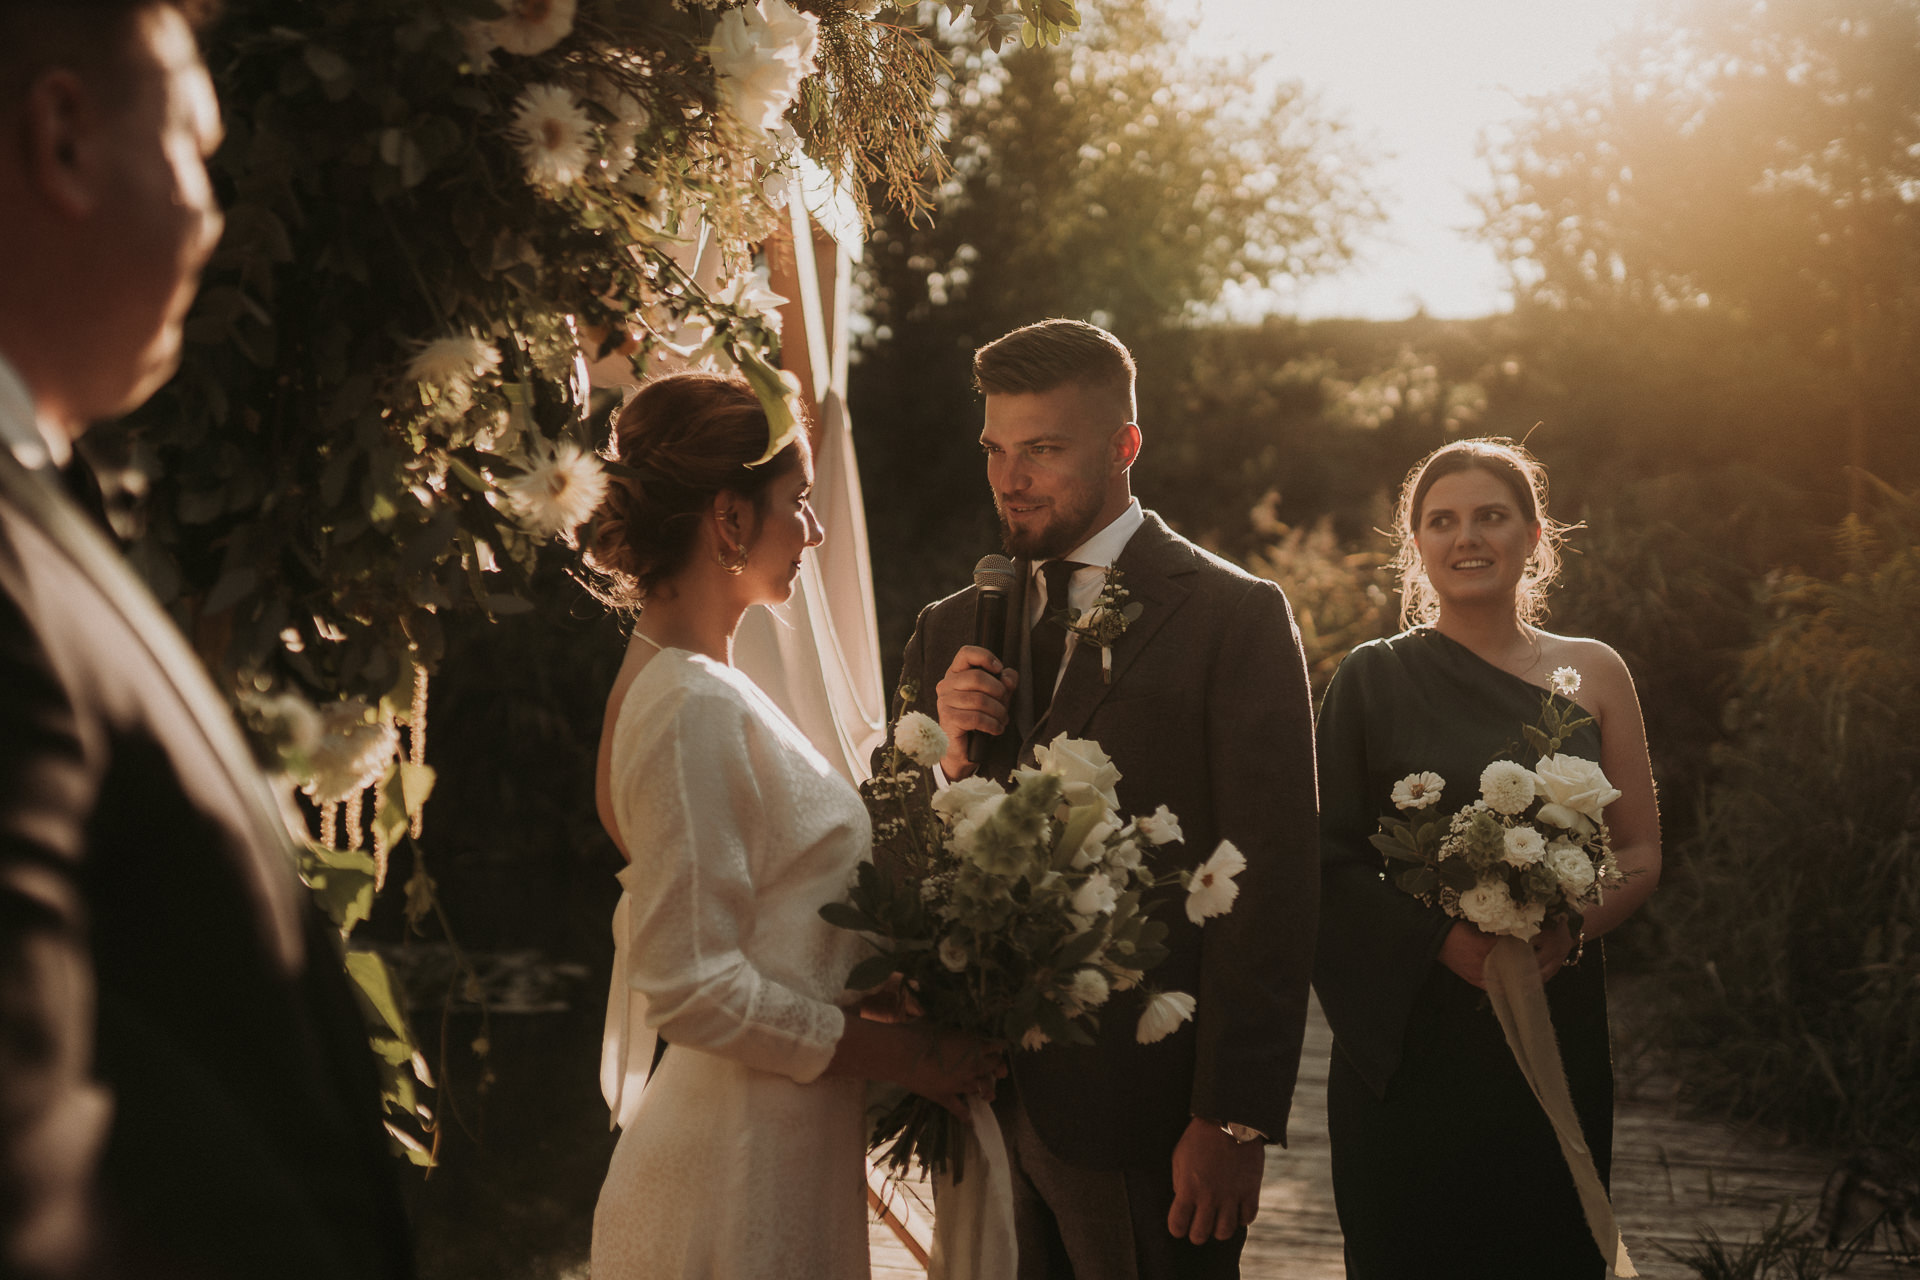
point(1097, 554)
point(21, 430)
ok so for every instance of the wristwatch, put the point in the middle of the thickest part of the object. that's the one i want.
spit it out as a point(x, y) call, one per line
point(1242, 1133)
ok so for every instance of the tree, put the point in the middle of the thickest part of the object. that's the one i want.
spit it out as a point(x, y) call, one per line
point(1115, 179)
point(1755, 163)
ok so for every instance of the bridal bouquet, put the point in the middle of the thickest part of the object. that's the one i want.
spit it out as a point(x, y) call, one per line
point(1015, 911)
point(1531, 847)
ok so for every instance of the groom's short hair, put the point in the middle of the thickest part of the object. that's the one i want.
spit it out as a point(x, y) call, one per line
point(1056, 353)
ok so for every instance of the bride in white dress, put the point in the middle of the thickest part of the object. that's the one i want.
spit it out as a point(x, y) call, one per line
point(741, 1155)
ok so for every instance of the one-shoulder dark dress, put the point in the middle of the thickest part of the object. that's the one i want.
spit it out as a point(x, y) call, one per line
point(1444, 1164)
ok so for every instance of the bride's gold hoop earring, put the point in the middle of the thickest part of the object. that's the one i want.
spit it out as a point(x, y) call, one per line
point(734, 563)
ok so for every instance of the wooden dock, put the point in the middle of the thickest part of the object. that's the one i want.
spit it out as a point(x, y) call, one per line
point(1672, 1177)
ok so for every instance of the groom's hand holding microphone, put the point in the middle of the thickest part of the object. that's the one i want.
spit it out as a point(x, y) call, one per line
point(975, 697)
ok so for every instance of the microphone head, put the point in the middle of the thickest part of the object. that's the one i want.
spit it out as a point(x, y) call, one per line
point(994, 573)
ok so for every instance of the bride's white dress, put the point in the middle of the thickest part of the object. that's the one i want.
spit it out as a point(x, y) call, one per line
point(738, 1158)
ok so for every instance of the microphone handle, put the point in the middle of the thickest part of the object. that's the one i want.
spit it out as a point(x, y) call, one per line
point(989, 631)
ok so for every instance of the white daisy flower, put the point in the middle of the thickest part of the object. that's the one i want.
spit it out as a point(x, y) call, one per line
point(532, 26)
point(449, 362)
point(1507, 787)
point(554, 135)
point(559, 490)
point(1164, 1013)
point(1161, 827)
point(1565, 681)
point(1211, 888)
point(920, 738)
point(1418, 791)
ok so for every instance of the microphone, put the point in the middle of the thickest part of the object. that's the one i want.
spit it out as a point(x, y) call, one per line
point(993, 579)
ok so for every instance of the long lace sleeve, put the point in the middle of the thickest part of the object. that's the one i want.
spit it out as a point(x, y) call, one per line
point(689, 798)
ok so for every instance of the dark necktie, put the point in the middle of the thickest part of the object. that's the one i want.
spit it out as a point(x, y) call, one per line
point(1048, 642)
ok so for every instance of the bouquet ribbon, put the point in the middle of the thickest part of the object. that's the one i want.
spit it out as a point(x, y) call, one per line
point(973, 1222)
point(1520, 1002)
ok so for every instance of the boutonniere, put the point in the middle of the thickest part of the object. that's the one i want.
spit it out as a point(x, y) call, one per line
point(1104, 621)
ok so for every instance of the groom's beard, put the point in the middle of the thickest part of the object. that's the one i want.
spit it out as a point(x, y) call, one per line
point(1069, 523)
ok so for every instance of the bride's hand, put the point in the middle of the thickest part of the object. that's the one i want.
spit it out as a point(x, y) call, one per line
point(891, 1001)
point(951, 1067)
point(1465, 952)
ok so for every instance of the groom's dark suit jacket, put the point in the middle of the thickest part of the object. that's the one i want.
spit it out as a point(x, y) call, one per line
point(185, 1083)
point(1208, 713)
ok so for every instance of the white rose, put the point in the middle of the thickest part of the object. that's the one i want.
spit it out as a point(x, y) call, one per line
point(1490, 906)
point(958, 799)
point(954, 954)
point(1506, 787)
point(1211, 889)
point(1573, 786)
point(1164, 1013)
point(1418, 791)
point(920, 738)
point(1161, 827)
point(1572, 868)
point(1088, 775)
point(1523, 846)
point(1097, 896)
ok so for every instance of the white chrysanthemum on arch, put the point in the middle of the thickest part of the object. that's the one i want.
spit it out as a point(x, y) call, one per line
point(554, 135)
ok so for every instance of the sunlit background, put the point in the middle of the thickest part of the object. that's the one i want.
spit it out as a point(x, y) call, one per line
point(1419, 83)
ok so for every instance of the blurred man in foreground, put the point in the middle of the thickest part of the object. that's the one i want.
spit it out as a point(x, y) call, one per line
point(185, 1084)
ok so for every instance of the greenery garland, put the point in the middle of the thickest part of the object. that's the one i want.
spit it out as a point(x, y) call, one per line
point(439, 216)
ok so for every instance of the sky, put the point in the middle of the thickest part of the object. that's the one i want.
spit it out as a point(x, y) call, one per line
point(1418, 81)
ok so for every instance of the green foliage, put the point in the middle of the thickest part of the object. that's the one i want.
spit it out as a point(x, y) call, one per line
point(1785, 1250)
point(1789, 932)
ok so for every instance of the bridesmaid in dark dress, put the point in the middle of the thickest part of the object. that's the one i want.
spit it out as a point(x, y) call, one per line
point(1444, 1165)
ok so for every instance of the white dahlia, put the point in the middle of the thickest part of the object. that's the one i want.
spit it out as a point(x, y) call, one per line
point(1507, 787)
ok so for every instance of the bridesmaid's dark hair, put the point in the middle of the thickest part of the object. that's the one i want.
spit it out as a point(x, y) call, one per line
point(1511, 464)
point(681, 440)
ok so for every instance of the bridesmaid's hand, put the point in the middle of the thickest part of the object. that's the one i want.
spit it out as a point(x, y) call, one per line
point(1551, 947)
point(1465, 952)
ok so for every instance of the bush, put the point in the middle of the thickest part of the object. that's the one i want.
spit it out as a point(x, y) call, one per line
point(1789, 930)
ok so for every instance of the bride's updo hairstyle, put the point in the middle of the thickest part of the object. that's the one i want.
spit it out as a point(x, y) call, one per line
point(1509, 463)
point(685, 438)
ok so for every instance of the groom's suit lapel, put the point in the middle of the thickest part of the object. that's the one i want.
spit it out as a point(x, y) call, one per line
point(68, 529)
point(1151, 568)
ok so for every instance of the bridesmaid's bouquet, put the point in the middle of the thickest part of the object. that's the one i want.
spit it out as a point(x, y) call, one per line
point(1532, 847)
point(1016, 911)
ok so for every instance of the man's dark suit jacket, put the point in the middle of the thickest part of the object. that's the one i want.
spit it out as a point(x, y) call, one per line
point(185, 1083)
point(1208, 713)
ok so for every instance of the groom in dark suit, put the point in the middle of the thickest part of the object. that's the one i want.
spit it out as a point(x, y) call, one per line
point(1129, 1159)
point(186, 1089)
